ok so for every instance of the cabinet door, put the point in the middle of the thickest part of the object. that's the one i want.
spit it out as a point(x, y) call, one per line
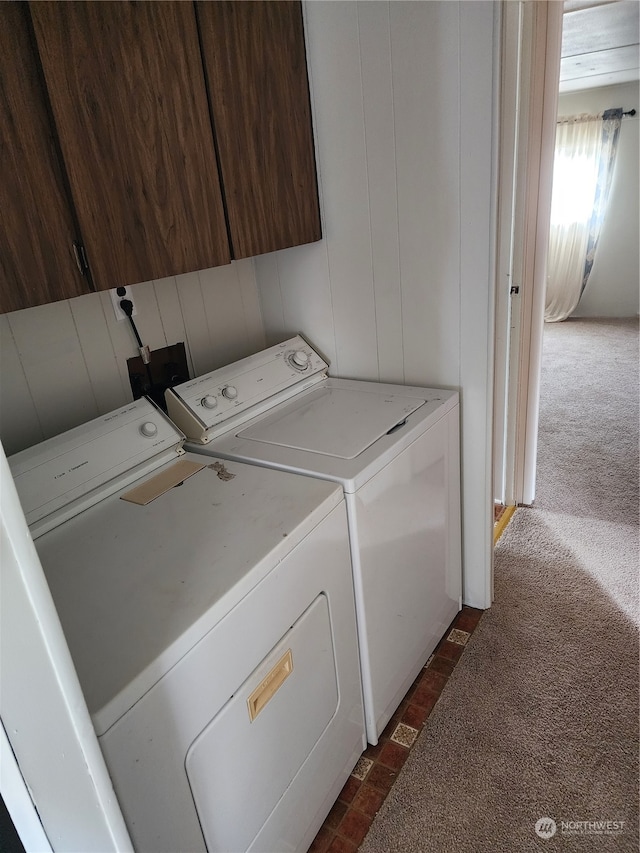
point(127, 90)
point(37, 263)
point(255, 65)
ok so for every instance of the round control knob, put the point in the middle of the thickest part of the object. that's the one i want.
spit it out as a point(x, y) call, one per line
point(300, 358)
point(209, 402)
point(149, 429)
point(230, 392)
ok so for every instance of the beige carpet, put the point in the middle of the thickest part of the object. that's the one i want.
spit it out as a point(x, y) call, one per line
point(540, 717)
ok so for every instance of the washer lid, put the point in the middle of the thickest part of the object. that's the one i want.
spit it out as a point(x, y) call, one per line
point(335, 422)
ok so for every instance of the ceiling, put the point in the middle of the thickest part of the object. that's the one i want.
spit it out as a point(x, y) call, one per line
point(599, 43)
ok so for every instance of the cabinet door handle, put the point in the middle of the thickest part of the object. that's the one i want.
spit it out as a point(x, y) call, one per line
point(81, 258)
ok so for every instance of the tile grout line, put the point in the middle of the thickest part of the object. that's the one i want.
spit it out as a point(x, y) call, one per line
point(373, 776)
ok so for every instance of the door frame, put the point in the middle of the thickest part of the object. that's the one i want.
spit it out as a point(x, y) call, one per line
point(43, 713)
point(531, 49)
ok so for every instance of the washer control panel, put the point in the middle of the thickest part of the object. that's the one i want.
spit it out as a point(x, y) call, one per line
point(204, 405)
point(298, 359)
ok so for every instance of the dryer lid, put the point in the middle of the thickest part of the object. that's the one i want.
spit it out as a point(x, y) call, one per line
point(335, 422)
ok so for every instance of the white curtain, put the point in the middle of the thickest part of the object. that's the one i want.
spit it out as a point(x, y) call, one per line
point(583, 166)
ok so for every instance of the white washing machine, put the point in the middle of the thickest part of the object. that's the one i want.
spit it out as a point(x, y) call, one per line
point(394, 449)
point(209, 609)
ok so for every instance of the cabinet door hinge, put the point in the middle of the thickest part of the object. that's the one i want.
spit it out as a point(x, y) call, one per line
point(81, 258)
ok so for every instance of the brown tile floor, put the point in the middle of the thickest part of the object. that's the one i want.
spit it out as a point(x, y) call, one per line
point(498, 511)
point(374, 774)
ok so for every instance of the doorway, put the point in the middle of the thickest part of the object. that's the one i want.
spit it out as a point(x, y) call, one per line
point(532, 47)
point(532, 41)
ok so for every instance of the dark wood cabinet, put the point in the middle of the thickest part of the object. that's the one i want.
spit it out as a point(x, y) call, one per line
point(129, 101)
point(159, 137)
point(255, 64)
point(37, 231)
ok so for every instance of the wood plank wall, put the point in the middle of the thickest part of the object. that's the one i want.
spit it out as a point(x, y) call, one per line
point(65, 363)
point(381, 294)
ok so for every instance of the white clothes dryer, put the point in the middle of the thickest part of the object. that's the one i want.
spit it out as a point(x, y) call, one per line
point(394, 449)
point(209, 609)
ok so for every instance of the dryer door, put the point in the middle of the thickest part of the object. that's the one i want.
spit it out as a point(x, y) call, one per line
point(240, 766)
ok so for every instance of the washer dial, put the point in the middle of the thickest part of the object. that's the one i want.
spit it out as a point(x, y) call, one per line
point(148, 429)
point(230, 392)
point(209, 402)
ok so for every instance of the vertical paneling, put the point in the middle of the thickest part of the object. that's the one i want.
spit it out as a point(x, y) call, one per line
point(268, 277)
point(19, 422)
point(173, 324)
point(425, 55)
point(222, 298)
point(250, 304)
point(110, 388)
point(54, 366)
point(65, 363)
point(195, 320)
point(311, 306)
point(333, 51)
point(385, 86)
point(122, 341)
point(377, 88)
point(148, 320)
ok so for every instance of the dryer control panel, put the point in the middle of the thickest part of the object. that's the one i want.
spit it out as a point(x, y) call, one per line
point(60, 476)
point(217, 401)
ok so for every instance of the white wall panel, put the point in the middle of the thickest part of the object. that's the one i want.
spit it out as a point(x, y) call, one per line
point(334, 56)
point(173, 325)
point(195, 320)
point(147, 319)
point(425, 49)
point(110, 387)
point(268, 275)
point(65, 363)
point(251, 310)
point(312, 304)
point(54, 366)
point(377, 90)
point(123, 342)
point(223, 299)
point(19, 422)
